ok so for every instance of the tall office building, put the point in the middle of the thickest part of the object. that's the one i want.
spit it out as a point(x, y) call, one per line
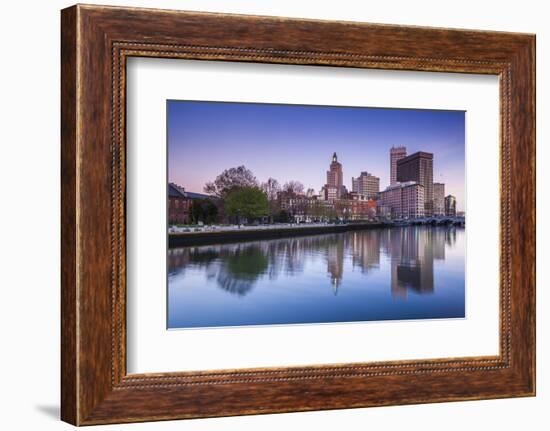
point(439, 199)
point(366, 185)
point(418, 167)
point(396, 153)
point(335, 176)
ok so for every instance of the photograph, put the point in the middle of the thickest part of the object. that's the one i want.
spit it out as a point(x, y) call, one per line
point(281, 214)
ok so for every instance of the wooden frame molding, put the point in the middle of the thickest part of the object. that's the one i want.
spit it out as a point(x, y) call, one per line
point(95, 43)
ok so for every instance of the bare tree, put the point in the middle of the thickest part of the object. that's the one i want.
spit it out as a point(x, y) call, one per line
point(294, 187)
point(231, 179)
point(270, 188)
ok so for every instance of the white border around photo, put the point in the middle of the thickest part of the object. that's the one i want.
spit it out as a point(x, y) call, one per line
point(152, 348)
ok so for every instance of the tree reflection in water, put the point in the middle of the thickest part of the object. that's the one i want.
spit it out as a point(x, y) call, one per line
point(242, 268)
point(238, 266)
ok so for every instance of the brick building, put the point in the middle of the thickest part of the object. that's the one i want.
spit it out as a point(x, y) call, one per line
point(361, 207)
point(404, 200)
point(179, 205)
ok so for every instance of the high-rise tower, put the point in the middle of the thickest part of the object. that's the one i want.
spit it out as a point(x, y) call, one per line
point(396, 153)
point(335, 176)
point(418, 167)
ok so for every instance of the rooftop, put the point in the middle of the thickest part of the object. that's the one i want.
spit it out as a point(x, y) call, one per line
point(403, 185)
point(177, 191)
point(417, 155)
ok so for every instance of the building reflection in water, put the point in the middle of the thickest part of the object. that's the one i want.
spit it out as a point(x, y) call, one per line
point(237, 267)
point(411, 261)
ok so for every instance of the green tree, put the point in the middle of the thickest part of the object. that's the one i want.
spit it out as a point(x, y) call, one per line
point(241, 269)
point(204, 210)
point(318, 210)
point(282, 217)
point(249, 202)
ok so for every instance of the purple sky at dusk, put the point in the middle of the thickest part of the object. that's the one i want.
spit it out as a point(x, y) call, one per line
point(295, 142)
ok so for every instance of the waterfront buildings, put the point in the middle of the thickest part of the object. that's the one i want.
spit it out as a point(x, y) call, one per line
point(334, 201)
point(366, 184)
point(361, 207)
point(329, 193)
point(450, 206)
point(403, 200)
point(412, 194)
point(305, 209)
point(396, 154)
point(296, 205)
point(180, 203)
point(439, 199)
point(383, 211)
point(418, 167)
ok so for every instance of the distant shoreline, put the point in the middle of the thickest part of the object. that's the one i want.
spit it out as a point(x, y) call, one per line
point(220, 237)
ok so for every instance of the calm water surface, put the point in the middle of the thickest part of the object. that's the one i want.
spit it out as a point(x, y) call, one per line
point(412, 272)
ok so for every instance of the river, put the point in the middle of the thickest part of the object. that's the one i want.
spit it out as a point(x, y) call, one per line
point(414, 272)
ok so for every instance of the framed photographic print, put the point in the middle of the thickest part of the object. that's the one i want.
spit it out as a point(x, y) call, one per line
point(268, 215)
point(258, 251)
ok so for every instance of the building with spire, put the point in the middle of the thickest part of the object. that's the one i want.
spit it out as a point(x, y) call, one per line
point(334, 188)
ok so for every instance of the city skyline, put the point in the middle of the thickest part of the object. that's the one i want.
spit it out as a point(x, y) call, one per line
point(204, 138)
